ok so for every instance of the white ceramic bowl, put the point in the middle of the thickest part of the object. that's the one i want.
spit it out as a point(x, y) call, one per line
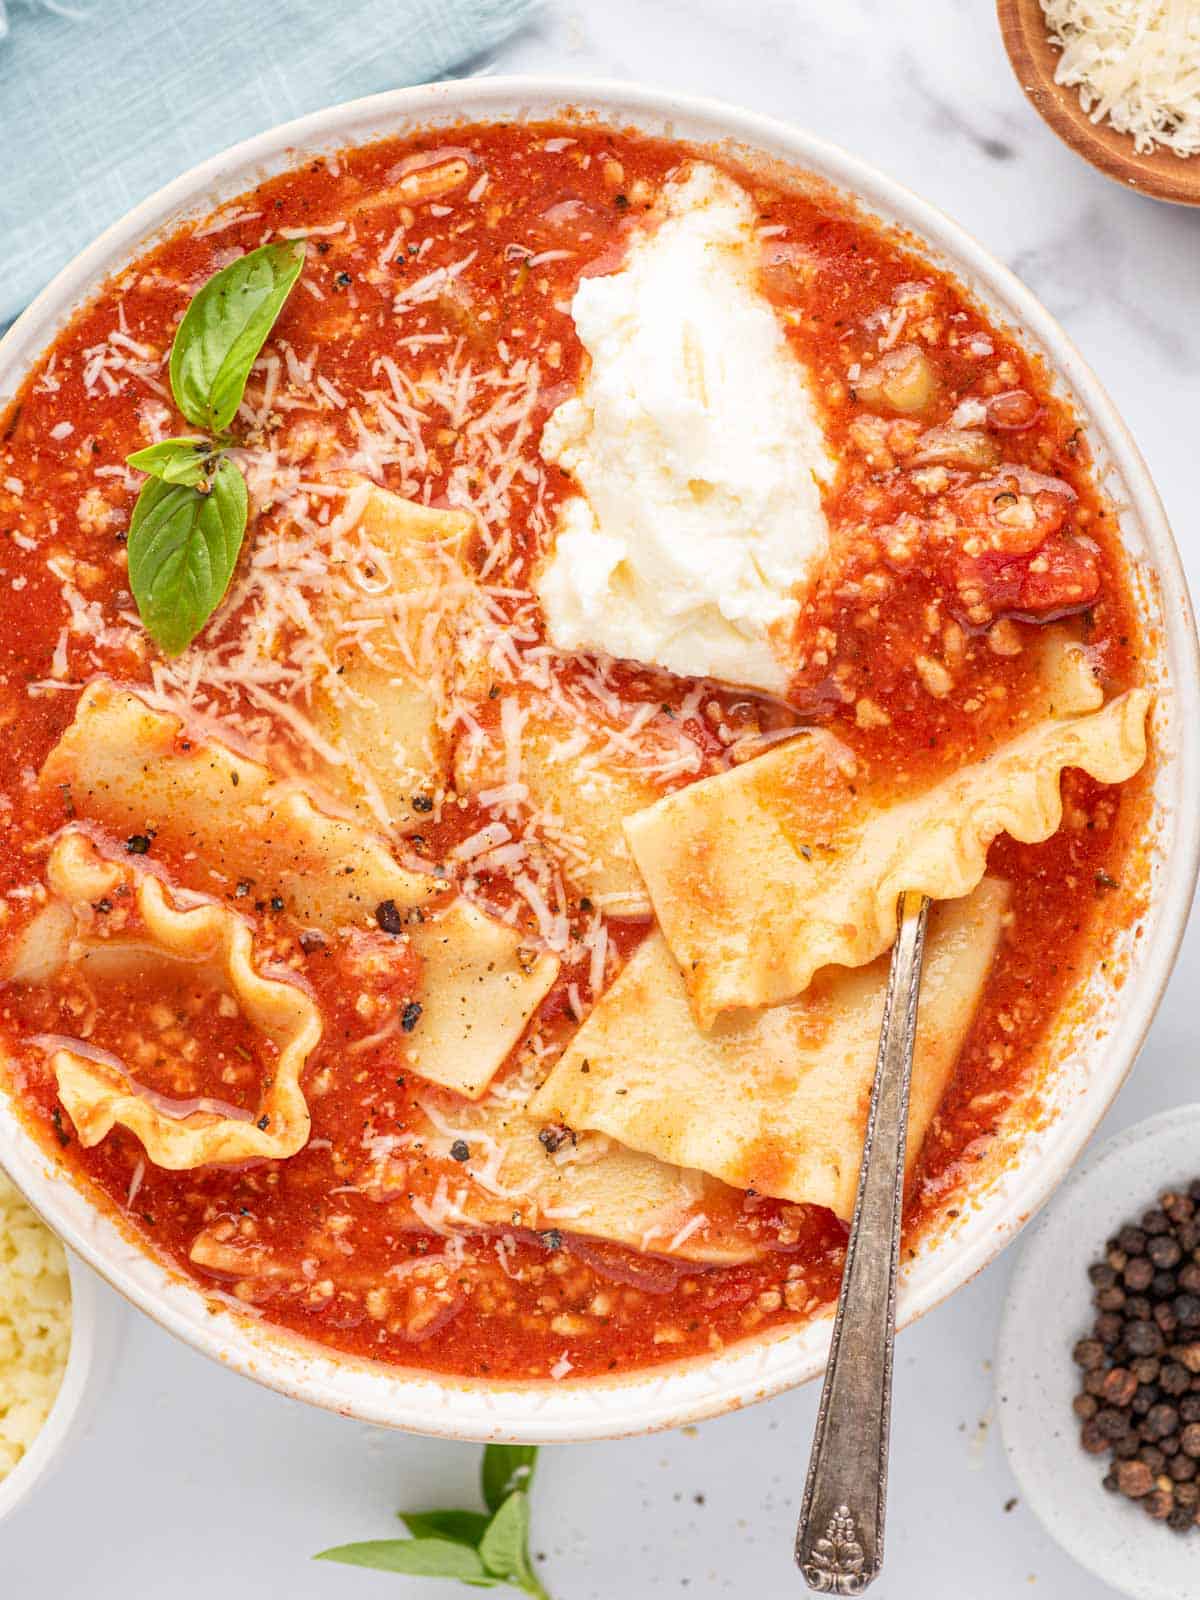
point(1089, 1054)
point(97, 1319)
point(1048, 1308)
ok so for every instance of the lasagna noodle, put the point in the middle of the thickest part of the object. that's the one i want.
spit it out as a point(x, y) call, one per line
point(794, 861)
point(592, 1187)
point(213, 942)
point(774, 1101)
point(135, 770)
point(391, 624)
point(576, 793)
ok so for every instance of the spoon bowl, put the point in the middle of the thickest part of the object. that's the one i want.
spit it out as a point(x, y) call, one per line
point(1160, 173)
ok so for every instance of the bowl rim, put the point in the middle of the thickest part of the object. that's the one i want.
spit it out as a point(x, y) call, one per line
point(641, 1401)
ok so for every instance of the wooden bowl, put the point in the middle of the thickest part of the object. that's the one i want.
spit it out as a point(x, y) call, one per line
point(1161, 174)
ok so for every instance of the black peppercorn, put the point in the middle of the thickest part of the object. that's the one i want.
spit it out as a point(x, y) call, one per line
point(1138, 1274)
point(1143, 1338)
point(1159, 1503)
point(1134, 1479)
point(1112, 1423)
point(1120, 1386)
point(1164, 1251)
point(1139, 1390)
point(1160, 1421)
point(1166, 1319)
point(1109, 1327)
point(1174, 1378)
point(1088, 1354)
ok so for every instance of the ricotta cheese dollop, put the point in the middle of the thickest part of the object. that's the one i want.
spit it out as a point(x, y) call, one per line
point(696, 450)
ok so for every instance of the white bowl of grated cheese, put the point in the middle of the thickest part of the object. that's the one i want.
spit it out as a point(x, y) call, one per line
point(59, 1332)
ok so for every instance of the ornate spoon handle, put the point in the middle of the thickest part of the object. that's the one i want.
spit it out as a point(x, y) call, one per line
point(839, 1543)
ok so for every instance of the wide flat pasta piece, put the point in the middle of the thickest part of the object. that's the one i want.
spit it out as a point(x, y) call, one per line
point(480, 985)
point(391, 623)
point(590, 1186)
point(98, 1091)
point(579, 794)
point(794, 861)
point(135, 770)
point(139, 771)
point(774, 1100)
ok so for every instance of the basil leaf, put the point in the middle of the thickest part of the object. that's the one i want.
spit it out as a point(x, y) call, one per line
point(506, 1467)
point(225, 327)
point(463, 1527)
point(183, 546)
point(504, 1548)
point(420, 1558)
point(175, 460)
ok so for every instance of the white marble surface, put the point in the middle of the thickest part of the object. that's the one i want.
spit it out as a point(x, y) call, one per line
point(196, 1484)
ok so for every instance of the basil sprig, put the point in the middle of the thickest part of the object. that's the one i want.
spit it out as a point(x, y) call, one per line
point(190, 518)
point(483, 1549)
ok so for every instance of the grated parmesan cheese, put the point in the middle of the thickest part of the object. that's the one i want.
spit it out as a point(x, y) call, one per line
point(1136, 62)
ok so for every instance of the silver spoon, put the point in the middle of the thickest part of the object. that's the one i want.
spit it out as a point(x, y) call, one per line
point(839, 1542)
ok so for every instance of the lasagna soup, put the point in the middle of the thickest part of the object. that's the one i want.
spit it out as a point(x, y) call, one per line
point(457, 931)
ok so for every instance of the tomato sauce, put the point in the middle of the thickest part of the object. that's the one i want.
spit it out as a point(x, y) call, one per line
point(954, 543)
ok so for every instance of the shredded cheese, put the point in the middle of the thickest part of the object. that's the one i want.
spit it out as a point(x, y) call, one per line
point(1136, 62)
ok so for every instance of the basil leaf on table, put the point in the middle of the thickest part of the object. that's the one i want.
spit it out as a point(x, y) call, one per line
point(506, 1467)
point(225, 327)
point(504, 1548)
point(419, 1558)
point(183, 546)
point(176, 460)
point(473, 1547)
point(463, 1527)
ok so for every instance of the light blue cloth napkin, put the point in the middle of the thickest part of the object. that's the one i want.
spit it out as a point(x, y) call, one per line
point(102, 101)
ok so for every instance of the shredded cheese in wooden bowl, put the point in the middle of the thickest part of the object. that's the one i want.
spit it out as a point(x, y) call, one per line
point(35, 1324)
point(1136, 62)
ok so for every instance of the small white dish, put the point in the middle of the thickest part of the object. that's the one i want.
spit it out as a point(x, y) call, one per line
point(1049, 1307)
point(97, 1325)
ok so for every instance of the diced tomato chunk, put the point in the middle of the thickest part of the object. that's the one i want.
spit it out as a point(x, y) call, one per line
point(1060, 576)
point(1064, 575)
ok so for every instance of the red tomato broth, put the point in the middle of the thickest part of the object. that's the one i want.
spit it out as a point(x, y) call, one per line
point(901, 585)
